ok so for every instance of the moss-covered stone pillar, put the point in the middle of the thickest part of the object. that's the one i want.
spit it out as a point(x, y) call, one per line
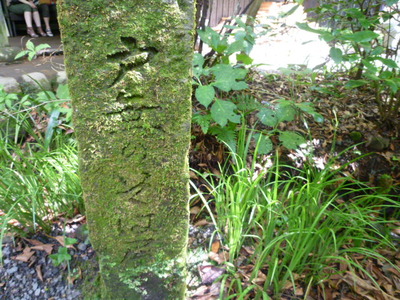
point(129, 69)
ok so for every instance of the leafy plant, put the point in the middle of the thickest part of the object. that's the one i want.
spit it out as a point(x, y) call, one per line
point(359, 34)
point(217, 91)
point(62, 256)
point(31, 50)
point(292, 224)
point(28, 112)
point(37, 185)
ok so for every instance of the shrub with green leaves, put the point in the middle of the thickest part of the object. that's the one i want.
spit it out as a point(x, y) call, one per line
point(360, 41)
point(220, 89)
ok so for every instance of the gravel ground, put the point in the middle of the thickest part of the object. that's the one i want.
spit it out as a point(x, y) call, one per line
point(39, 279)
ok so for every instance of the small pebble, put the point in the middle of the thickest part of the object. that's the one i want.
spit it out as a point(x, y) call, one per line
point(12, 270)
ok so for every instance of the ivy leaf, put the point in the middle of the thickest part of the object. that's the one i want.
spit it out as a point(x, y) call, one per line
point(222, 111)
point(226, 77)
point(291, 140)
point(264, 143)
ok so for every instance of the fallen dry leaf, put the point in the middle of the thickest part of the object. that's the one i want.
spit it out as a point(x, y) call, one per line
point(195, 210)
point(44, 247)
point(33, 242)
point(210, 273)
point(39, 272)
point(220, 258)
point(202, 222)
point(215, 246)
point(25, 255)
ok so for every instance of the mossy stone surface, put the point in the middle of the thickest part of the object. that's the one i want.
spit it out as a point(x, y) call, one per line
point(129, 70)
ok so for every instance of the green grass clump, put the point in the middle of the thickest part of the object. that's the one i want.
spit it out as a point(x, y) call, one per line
point(295, 221)
point(36, 186)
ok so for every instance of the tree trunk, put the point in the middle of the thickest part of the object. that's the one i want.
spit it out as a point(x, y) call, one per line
point(252, 11)
point(129, 69)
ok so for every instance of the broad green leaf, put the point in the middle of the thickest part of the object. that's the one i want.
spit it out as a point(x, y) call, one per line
point(244, 58)
point(226, 77)
point(30, 45)
point(391, 2)
point(41, 47)
point(61, 256)
point(198, 62)
point(52, 123)
point(205, 94)
point(378, 50)
point(388, 62)
point(355, 83)
point(291, 140)
point(264, 143)
point(392, 85)
point(371, 75)
point(63, 92)
point(21, 54)
point(336, 54)
point(306, 27)
point(285, 111)
point(370, 66)
point(222, 111)
point(268, 117)
point(361, 36)
point(9, 103)
point(289, 12)
point(70, 241)
point(213, 39)
point(236, 46)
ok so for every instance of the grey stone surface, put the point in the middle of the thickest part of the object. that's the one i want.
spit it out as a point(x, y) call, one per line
point(10, 85)
point(62, 77)
point(35, 82)
point(7, 54)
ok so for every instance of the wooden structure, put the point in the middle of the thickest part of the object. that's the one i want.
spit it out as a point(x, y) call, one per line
point(219, 9)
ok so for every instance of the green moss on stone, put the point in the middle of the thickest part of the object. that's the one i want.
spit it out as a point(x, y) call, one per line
point(128, 65)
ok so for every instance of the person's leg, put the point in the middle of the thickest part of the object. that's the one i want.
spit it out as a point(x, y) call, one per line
point(36, 19)
point(26, 11)
point(45, 12)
